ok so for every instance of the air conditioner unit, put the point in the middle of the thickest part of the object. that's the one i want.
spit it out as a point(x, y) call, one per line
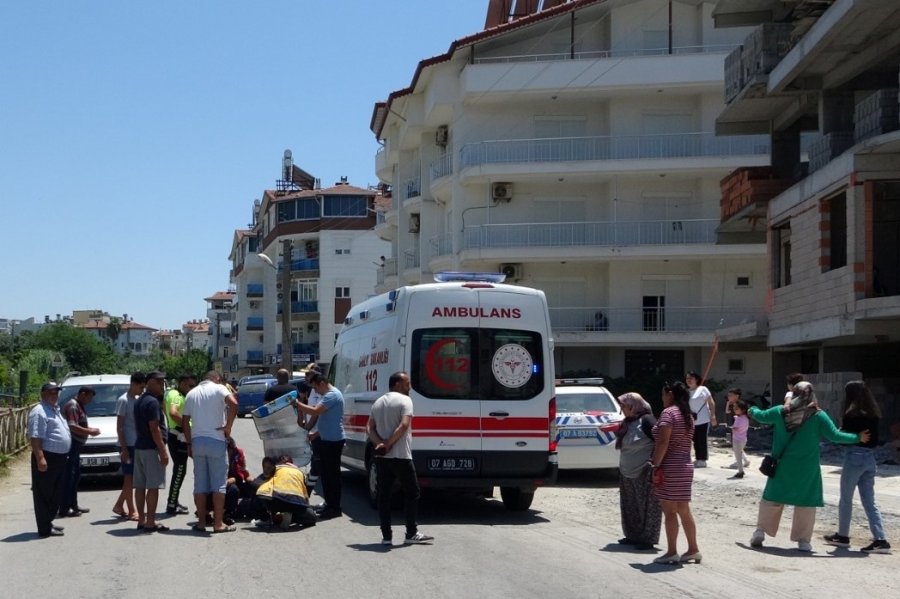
point(501, 192)
point(441, 136)
point(254, 305)
point(513, 272)
point(312, 327)
point(415, 223)
point(279, 285)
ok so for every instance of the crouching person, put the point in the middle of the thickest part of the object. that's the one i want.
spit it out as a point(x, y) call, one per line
point(286, 497)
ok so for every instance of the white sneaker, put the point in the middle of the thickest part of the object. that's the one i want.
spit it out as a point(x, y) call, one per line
point(756, 540)
point(804, 546)
point(746, 462)
point(387, 542)
point(731, 466)
point(418, 539)
point(700, 464)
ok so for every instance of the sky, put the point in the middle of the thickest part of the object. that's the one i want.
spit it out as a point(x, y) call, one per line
point(134, 136)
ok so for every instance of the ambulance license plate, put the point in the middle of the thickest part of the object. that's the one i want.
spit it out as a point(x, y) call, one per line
point(451, 464)
point(578, 433)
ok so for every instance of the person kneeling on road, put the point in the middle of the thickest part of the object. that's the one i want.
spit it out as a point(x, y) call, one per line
point(286, 496)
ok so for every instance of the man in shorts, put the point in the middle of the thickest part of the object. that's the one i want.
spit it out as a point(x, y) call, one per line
point(209, 411)
point(150, 455)
point(127, 434)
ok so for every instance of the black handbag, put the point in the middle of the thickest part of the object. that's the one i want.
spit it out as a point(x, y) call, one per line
point(769, 465)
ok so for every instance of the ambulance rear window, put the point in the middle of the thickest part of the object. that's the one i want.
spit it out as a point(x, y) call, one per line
point(472, 363)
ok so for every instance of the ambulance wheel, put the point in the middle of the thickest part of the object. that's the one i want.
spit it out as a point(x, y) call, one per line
point(516, 499)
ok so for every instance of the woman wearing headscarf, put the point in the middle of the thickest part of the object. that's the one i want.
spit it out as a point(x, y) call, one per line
point(641, 515)
point(798, 427)
point(674, 472)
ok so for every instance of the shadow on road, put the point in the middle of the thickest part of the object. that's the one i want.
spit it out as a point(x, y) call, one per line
point(22, 537)
point(375, 547)
point(788, 551)
point(588, 479)
point(617, 548)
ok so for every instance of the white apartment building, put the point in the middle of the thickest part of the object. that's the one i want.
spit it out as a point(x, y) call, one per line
point(220, 315)
point(830, 69)
point(132, 338)
point(575, 150)
point(334, 259)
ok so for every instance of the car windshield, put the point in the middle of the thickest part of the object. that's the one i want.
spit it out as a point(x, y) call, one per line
point(253, 387)
point(585, 402)
point(104, 402)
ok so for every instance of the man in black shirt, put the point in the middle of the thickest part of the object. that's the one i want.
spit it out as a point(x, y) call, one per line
point(151, 457)
point(282, 387)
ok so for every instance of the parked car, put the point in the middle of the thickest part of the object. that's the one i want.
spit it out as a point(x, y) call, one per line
point(587, 418)
point(250, 393)
point(100, 454)
point(255, 377)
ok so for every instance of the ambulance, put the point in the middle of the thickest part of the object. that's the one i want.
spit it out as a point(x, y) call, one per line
point(480, 359)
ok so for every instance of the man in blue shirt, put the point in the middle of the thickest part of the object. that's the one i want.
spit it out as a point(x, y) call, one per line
point(330, 422)
point(48, 433)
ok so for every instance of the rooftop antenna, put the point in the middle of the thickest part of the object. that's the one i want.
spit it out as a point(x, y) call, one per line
point(286, 183)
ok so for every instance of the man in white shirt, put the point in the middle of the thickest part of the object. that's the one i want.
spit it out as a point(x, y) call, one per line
point(390, 431)
point(209, 411)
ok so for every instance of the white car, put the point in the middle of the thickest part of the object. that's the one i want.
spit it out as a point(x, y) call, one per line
point(100, 455)
point(587, 418)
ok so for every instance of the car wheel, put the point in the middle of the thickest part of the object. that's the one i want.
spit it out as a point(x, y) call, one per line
point(516, 499)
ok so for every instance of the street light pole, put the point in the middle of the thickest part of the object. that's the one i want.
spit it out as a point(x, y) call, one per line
point(287, 346)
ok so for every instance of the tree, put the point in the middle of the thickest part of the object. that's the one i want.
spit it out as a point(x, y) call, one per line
point(194, 361)
point(114, 328)
point(83, 352)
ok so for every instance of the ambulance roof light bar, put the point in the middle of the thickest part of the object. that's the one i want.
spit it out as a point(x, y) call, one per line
point(466, 277)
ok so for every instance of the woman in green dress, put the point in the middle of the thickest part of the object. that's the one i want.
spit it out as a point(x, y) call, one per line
point(798, 427)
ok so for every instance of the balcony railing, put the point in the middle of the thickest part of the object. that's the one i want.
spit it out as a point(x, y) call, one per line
point(389, 269)
point(442, 245)
point(254, 289)
point(304, 307)
point(411, 258)
point(618, 233)
point(255, 323)
point(627, 147)
point(599, 54)
point(304, 264)
point(301, 348)
point(441, 167)
point(650, 320)
point(412, 188)
point(254, 357)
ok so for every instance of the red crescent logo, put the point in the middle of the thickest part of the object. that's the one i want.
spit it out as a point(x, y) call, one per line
point(429, 365)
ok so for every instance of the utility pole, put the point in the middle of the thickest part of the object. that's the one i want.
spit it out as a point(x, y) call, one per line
point(287, 346)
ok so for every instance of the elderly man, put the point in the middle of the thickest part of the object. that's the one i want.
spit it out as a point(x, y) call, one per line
point(74, 412)
point(48, 433)
point(150, 455)
point(330, 421)
point(209, 411)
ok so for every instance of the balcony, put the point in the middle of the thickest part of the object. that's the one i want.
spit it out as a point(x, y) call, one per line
point(412, 188)
point(255, 323)
point(254, 289)
point(302, 349)
point(442, 245)
point(610, 148)
point(441, 167)
point(305, 264)
point(306, 307)
point(650, 320)
point(254, 357)
point(388, 270)
point(599, 54)
point(612, 233)
point(411, 258)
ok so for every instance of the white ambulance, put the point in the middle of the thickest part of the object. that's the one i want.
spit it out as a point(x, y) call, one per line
point(480, 359)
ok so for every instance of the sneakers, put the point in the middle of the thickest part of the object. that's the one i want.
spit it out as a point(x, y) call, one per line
point(880, 546)
point(804, 547)
point(700, 464)
point(387, 542)
point(177, 509)
point(756, 540)
point(418, 539)
point(736, 475)
point(838, 540)
point(731, 466)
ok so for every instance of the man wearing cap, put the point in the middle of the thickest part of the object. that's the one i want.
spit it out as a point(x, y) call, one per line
point(78, 427)
point(178, 449)
point(48, 433)
point(150, 455)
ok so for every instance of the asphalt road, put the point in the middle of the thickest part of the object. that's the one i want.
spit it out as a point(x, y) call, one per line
point(564, 547)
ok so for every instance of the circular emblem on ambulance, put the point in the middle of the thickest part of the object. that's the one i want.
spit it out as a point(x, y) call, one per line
point(512, 365)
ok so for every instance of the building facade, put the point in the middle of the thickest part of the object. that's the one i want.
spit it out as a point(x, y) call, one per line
point(574, 149)
point(333, 262)
point(829, 70)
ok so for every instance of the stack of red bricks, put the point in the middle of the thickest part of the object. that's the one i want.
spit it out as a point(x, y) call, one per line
point(747, 186)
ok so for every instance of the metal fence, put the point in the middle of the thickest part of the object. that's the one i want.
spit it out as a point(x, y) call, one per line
point(603, 233)
point(650, 320)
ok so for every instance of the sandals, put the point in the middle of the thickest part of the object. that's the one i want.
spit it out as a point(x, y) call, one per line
point(155, 528)
point(198, 528)
point(229, 528)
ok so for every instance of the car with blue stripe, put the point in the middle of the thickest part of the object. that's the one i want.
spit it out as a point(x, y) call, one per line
point(587, 418)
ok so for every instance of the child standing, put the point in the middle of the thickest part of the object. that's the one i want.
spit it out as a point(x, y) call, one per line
point(739, 436)
point(732, 397)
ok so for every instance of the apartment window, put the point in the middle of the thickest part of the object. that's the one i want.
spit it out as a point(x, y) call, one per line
point(654, 310)
point(743, 281)
point(559, 126)
point(342, 247)
point(345, 206)
point(781, 255)
point(224, 352)
point(834, 212)
point(341, 292)
point(736, 365)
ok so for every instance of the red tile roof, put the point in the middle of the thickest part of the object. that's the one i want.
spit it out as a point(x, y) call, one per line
point(220, 295)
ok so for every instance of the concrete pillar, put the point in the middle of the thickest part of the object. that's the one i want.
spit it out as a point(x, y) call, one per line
point(836, 111)
point(785, 153)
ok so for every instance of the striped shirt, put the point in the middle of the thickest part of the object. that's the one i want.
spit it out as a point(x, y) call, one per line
point(46, 422)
